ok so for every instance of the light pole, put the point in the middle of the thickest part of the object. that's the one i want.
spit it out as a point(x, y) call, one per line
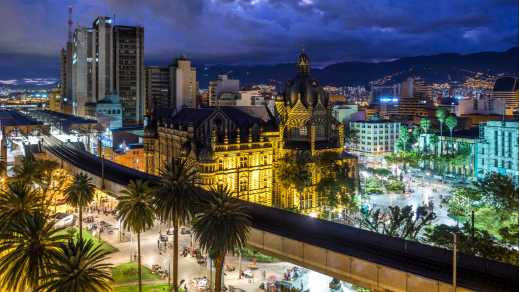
point(454, 261)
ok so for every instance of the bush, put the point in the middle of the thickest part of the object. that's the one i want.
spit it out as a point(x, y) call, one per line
point(395, 186)
point(373, 186)
point(248, 253)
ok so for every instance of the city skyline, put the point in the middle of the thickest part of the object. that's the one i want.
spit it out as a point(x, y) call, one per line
point(264, 32)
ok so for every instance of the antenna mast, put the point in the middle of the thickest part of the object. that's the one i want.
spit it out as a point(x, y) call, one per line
point(70, 23)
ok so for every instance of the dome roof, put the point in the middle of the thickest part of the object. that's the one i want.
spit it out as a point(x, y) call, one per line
point(303, 87)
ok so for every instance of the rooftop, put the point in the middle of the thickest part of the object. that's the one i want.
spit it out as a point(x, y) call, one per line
point(10, 117)
point(244, 116)
point(507, 83)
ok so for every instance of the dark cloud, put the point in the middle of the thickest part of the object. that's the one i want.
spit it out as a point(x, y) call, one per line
point(265, 31)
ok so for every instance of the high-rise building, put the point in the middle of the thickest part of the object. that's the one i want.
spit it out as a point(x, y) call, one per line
point(84, 68)
point(169, 89)
point(220, 86)
point(108, 59)
point(66, 70)
point(415, 98)
point(157, 89)
point(104, 51)
point(183, 84)
point(375, 136)
point(128, 47)
point(507, 89)
point(498, 150)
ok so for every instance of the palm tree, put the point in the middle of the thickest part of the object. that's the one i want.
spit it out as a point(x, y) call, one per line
point(425, 124)
point(441, 115)
point(27, 170)
point(404, 136)
point(176, 199)
point(18, 201)
point(29, 247)
point(79, 194)
point(136, 212)
point(221, 226)
point(451, 122)
point(79, 266)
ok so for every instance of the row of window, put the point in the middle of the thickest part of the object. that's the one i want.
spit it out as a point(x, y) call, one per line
point(111, 112)
point(381, 143)
point(376, 126)
point(497, 163)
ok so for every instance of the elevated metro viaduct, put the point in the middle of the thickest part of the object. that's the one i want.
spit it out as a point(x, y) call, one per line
point(367, 259)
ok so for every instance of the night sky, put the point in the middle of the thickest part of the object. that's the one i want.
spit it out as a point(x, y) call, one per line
point(261, 31)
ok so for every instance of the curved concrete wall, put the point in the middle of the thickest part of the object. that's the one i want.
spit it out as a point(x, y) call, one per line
point(360, 272)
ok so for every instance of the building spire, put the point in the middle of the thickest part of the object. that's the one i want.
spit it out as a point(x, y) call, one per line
point(303, 63)
point(70, 23)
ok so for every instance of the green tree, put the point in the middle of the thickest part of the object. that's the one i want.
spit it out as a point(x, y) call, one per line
point(352, 136)
point(476, 242)
point(434, 141)
point(176, 199)
point(425, 125)
point(17, 202)
point(441, 115)
point(502, 193)
point(29, 248)
point(27, 170)
point(404, 137)
point(222, 226)
point(293, 172)
point(464, 200)
point(397, 222)
point(451, 122)
point(136, 212)
point(501, 190)
point(335, 186)
point(79, 194)
point(79, 266)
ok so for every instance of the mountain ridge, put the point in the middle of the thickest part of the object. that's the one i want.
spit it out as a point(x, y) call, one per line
point(433, 68)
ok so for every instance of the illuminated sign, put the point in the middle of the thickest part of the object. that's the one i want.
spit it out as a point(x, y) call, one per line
point(388, 99)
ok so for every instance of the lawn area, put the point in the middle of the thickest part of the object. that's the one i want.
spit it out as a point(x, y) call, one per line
point(128, 273)
point(145, 288)
point(87, 235)
point(105, 245)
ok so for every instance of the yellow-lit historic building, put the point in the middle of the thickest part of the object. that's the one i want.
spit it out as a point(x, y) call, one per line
point(241, 147)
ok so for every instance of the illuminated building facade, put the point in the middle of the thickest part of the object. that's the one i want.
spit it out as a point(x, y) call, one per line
point(507, 89)
point(376, 136)
point(241, 146)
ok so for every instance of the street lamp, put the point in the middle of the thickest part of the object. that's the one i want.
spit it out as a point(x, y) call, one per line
point(454, 261)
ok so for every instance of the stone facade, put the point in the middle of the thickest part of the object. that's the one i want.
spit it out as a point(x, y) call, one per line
point(241, 146)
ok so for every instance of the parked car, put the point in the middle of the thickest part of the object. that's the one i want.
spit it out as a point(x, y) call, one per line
point(64, 220)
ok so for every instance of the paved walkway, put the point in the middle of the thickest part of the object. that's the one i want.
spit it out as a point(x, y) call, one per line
point(188, 266)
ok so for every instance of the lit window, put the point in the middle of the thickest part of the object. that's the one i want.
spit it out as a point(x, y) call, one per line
point(303, 131)
point(243, 162)
point(243, 185)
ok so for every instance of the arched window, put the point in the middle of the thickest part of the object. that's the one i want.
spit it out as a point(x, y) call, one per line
point(243, 185)
point(220, 164)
